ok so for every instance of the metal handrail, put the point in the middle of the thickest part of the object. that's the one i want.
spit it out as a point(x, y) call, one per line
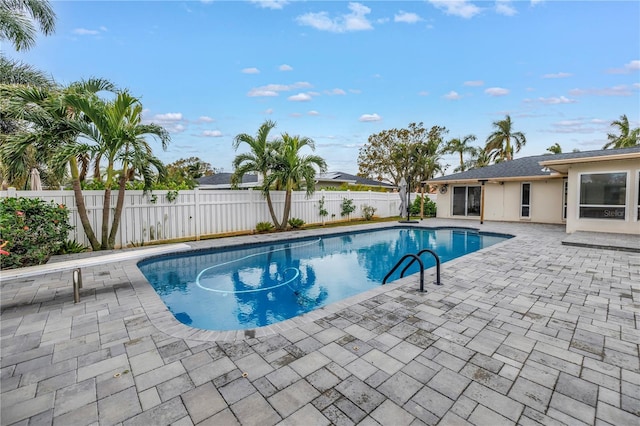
point(406, 256)
point(436, 257)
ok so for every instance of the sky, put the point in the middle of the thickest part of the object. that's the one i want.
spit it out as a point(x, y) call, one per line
point(338, 72)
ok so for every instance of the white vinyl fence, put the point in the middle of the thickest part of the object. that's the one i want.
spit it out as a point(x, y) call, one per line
point(199, 213)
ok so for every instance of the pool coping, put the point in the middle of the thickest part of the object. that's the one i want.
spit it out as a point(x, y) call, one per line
point(162, 318)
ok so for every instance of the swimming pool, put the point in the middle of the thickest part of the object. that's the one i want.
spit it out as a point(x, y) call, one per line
point(258, 285)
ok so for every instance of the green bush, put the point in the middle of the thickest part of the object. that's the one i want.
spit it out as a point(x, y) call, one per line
point(429, 207)
point(70, 247)
point(347, 207)
point(368, 212)
point(31, 230)
point(264, 226)
point(296, 223)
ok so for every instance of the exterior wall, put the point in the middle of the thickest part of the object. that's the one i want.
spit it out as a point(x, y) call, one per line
point(502, 202)
point(630, 225)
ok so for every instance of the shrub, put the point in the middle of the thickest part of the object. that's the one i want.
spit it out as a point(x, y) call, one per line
point(264, 226)
point(32, 231)
point(347, 207)
point(368, 212)
point(321, 210)
point(429, 207)
point(296, 223)
point(70, 247)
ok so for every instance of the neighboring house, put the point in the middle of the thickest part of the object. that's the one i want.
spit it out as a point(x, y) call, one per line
point(587, 191)
point(323, 180)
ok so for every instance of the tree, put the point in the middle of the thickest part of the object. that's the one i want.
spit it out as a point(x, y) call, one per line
point(460, 146)
point(293, 171)
point(555, 148)
point(185, 171)
point(49, 138)
point(502, 142)
point(260, 160)
point(17, 18)
point(115, 127)
point(626, 138)
point(393, 154)
point(479, 158)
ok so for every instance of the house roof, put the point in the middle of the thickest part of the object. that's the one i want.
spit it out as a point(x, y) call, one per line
point(223, 180)
point(538, 166)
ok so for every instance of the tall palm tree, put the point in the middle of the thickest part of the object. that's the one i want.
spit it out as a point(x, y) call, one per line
point(555, 148)
point(479, 158)
point(502, 142)
point(627, 138)
point(17, 19)
point(50, 137)
point(460, 146)
point(115, 127)
point(260, 159)
point(294, 171)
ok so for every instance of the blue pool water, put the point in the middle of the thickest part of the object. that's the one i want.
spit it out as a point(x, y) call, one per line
point(258, 285)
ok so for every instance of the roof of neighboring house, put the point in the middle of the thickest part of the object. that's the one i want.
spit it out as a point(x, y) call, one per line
point(538, 166)
point(223, 180)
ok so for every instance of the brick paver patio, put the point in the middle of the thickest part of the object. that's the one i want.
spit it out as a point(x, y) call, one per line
point(528, 331)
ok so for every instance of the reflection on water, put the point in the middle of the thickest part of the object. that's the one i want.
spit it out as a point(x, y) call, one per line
point(262, 285)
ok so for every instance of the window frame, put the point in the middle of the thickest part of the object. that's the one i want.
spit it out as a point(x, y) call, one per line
point(624, 206)
point(522, 203)
point(466, 200)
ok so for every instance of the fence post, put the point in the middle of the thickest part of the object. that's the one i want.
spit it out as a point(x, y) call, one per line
point(197, 216)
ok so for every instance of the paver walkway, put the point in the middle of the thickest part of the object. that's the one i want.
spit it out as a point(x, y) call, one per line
point(528, 331)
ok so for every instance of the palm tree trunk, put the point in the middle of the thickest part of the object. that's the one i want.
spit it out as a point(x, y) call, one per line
point(106, 208)
point(118, 212)
point(287, 210)
point(82, 210)
point(271, 211)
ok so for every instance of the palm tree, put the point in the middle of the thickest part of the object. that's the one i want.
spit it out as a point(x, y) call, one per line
point(260, 160)
point(460, 146)
point(51, 137)
point(116, 129)
point(17, 19)
point(294, 171)
point(479, 158)
point(499, 143)
point(555, 148)
point(627, 138)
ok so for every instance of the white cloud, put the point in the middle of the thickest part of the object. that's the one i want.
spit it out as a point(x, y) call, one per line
point(627, 68)
point(406, 17)
point(354, 21)
point(285, 67)
point(252, 70)
point(274, 89)
point(370, 117)
point(423, 93)
point(355, 91)
point(504, 7)
point(474, 83)
point(335, 92)
point(536, 2)
point(84, 31)
point(295, 114)
point(461, 8)
point(621, 90)
point(269, 111)
point(300, 97)
point(496, 91)
point(312, 112)
point(558, 75)
point(452, 96)
point(212, 133)
point(103, 28)
point(205, 119)
point(270, 4)
point(168, 117)
point(557, 100)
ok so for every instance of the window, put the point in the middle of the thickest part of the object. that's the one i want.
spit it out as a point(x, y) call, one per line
point(466, 200)
point(565, 184)
point(603, 195)
point(638, 185)
point(525, 203)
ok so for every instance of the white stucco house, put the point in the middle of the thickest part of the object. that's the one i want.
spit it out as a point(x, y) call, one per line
point(587, 191)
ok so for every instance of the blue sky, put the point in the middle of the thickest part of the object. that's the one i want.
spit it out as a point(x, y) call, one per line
point(338, 71)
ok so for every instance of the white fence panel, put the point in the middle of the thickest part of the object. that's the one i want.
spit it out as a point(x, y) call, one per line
point(161, 216)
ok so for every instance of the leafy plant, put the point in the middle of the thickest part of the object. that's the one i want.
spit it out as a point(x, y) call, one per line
point(172, 196)
point(264, 226)
point(70, 247)
point(429, 207)
point(296, 223)
point(321, 210)
point(368, 211)
point(347, 207)
point(31, 231)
